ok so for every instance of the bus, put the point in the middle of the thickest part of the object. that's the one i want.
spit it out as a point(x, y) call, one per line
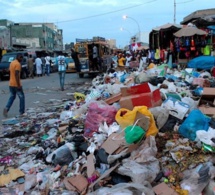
point(85, 52)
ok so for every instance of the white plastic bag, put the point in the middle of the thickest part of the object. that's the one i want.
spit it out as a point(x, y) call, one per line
point(142, 164)
point(65, 115)
point(206, 136)
point(125, 189)
point(190, 102)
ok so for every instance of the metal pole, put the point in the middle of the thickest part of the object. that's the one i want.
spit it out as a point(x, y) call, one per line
point(136, 23)
point(174, 11)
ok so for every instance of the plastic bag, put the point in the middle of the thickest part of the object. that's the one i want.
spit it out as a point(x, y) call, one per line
point(141, 78)
point(197, 179)
point(206, 136)
point(125, 189)
point(115, 88)
point(161, 115)
point(133, 134)
point(195, 121)
point(94, 95)
point(63, 155)
point(98, 112)
point(126, 118)
point(142, 165)
point(190, 102)
point(79, 97)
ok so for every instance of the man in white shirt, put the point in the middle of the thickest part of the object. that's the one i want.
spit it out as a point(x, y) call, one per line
point(38, 63)
point(95, 58)
point(47, 68)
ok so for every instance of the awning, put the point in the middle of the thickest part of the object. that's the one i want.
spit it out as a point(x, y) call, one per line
point(167, 27)
point(189, 31)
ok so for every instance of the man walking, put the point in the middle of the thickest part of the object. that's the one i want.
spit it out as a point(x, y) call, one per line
point(30, 63)
point(15, 86)
point(47, 66)
point(60, 61)
point(74, 56)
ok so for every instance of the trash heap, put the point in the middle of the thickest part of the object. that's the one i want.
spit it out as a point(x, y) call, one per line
point(148, 132)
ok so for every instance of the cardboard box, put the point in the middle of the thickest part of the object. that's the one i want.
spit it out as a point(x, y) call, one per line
point(176, 108)
point(207, 100)
point(163, 189)
point(113, 98)
point(139, 95)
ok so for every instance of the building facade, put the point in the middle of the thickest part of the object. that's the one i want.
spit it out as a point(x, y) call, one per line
point(4, 37)
point(38, 36)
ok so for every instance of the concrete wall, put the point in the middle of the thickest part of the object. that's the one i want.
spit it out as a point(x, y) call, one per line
point(31, 42)
point(4, 37)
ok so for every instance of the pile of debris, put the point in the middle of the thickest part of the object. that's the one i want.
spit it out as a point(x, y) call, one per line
point(150, 132)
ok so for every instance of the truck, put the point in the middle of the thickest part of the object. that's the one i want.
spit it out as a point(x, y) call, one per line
point(84, 47)
point(5, 64)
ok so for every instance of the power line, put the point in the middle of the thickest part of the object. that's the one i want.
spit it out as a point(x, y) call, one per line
point(93, 16)
point(185, 2)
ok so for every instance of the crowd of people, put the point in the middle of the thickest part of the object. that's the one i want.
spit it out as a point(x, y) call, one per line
point(42, 65)
point(142, 59)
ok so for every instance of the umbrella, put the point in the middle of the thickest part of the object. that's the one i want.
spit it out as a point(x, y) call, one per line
point(189, 31)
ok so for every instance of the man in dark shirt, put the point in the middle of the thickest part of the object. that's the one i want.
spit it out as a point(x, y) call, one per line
point(74, 56)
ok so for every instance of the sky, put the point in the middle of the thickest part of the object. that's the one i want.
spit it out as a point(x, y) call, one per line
point(88, 18)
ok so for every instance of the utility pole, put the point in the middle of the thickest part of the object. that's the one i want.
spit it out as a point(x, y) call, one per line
point(174, 11)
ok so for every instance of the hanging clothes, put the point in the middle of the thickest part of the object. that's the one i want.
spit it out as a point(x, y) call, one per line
point(206, 50)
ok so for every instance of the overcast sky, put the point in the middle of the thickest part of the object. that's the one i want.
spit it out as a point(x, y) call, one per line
point(88, 18)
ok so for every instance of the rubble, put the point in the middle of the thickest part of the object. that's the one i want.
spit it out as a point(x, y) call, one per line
point(129, 132)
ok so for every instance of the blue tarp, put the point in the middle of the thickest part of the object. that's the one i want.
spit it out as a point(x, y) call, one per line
point(202, 62)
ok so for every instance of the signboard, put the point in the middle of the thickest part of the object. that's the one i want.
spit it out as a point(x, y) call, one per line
point(83, 40)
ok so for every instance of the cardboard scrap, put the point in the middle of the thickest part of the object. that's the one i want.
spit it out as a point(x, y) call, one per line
point(113, 98)
point(163, 189)
point(103, 176)
point(90, 165)
point(114, 141)
point(206, 103)
point(68, 185)
point(79, 182)
point(143, 121)
point(10, 175)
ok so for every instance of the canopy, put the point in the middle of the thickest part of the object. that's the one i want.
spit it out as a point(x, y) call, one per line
point(167, 26)
point(189, 31)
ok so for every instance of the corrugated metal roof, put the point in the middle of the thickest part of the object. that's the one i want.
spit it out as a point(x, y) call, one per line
point(167, 26)
point(200, 14)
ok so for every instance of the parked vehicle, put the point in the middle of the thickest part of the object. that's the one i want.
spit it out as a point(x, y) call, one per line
point(5, 63)
point(70, 65)
point(54, 66)
point(85, 50)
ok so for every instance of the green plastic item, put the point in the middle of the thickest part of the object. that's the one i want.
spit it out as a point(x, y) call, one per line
point(44, 137)
point(133, 134)
point(173, 95)
point(208, 148)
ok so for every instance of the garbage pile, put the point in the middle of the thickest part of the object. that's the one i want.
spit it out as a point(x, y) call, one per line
point(148, 132)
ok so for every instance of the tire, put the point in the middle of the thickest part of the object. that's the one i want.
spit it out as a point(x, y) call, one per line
point(81, 75)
